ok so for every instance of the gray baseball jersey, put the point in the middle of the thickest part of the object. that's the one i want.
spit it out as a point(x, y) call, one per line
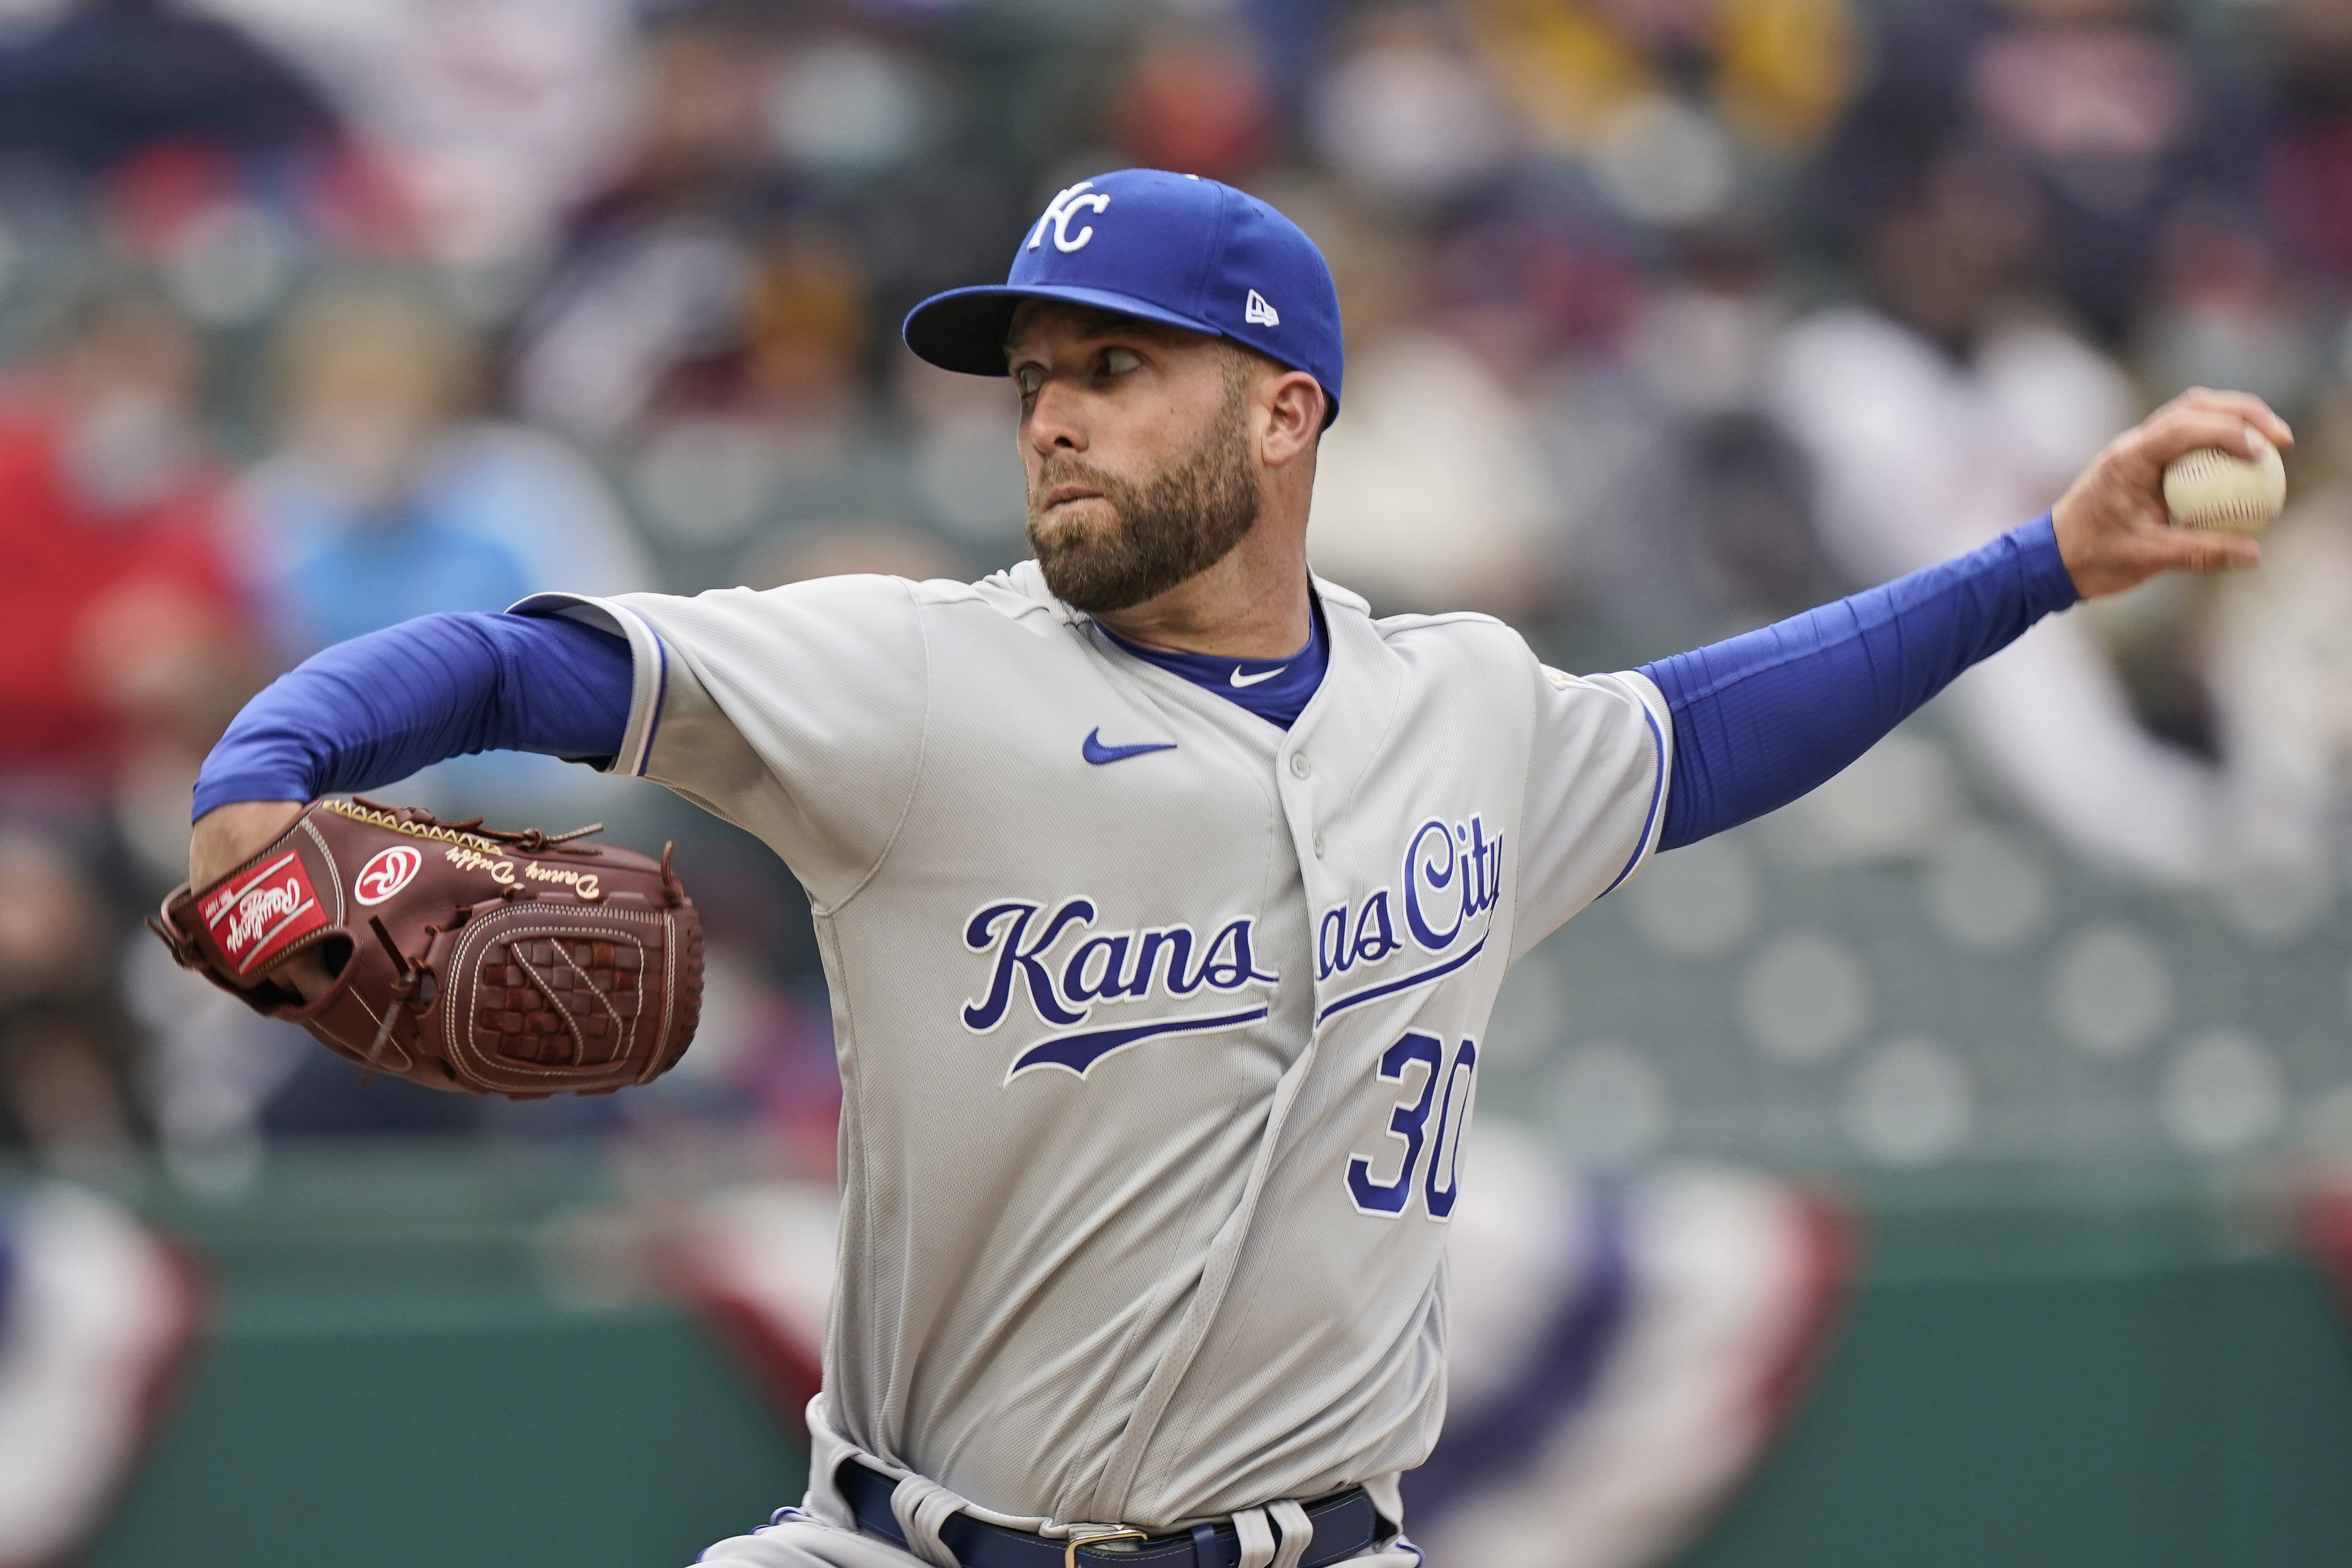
point(1159, 1026)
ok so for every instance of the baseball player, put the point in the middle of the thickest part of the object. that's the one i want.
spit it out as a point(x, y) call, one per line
point(1163, 893)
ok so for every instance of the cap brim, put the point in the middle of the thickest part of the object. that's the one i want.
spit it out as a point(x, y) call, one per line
point(964, 329)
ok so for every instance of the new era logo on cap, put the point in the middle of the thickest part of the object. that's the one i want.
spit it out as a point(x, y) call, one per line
point(1172, 248)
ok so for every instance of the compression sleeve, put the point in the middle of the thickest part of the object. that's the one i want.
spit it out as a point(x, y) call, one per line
point(379, 707)
point(1762, 718)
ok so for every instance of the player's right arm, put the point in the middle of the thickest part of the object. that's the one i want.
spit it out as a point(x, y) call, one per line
point(379, 707)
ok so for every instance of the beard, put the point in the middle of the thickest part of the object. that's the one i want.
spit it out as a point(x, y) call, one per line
point(1178, 522)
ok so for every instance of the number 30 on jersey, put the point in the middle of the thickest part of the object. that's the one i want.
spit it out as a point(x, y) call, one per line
point(1437, 1086)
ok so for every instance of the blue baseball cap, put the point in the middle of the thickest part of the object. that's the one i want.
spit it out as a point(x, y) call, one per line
point(1175, 249)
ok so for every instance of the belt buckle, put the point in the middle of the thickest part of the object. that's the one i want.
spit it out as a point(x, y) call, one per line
point(1111, 1532)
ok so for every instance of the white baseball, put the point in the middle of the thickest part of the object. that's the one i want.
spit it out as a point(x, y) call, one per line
point(2212, 489)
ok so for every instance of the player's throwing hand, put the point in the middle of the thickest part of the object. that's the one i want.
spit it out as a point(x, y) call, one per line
point(2114, 529)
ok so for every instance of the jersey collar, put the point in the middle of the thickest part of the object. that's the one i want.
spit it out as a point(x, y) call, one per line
point(1363, 680)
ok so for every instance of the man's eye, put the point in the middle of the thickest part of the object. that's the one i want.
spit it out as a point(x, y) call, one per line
point(1027, 379)
point(1118, 362)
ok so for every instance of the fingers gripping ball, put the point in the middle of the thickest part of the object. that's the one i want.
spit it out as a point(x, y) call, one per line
point(465, 958)
point(2213, 488)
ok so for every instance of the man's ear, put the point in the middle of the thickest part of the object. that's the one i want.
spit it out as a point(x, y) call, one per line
point(1292, 403)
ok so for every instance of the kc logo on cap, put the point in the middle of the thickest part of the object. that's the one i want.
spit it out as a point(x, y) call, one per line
point(1062, 209)
point(1167, 247)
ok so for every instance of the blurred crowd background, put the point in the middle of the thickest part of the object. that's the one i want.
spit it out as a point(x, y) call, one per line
point(1665, 318)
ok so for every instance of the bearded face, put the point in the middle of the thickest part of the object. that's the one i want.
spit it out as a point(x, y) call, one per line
point(1151, 531)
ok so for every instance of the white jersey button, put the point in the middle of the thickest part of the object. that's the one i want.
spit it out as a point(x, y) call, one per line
point(1299, 768)
point(1319, 847)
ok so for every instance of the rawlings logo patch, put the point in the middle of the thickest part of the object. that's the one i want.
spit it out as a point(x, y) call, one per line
point(263, 915)
point(386, 872)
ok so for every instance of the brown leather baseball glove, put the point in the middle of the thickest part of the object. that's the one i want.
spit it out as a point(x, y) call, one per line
point(464, 958)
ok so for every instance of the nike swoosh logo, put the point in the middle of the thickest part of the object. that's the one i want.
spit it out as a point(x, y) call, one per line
point(1099, 753)
point(1240, 680)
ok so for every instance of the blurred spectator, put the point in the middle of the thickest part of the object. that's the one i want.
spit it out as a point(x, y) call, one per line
point(917, 159)
point(1402, 113)
point(1952, 405)
point(2221, 312)
point(1695, 511)
point(388, 500)
point(1950, 412)
point(2096, 108)
point(490, 117)
point(119, 630)
point(1193, 93)
point(127, 649)
point(704, 279)
point(65, 1044)
point(1666, 100)
point(1774, 71)
point(108, 80)
point(2307, 175)
point(773, 422)
point(189, 147)
point(2282, 668)
point(711, 321)
point(1430, 493)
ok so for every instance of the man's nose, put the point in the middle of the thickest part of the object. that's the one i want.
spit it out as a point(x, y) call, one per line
point(1056, 421)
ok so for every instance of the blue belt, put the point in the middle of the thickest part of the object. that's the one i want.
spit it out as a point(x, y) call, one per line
point(1345, 1524)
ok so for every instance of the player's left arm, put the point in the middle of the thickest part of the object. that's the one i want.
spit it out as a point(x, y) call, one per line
point(379, 707)
point(1760, 719)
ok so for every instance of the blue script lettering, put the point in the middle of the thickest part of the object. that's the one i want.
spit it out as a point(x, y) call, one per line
point(1375, 937)
point(1106, 967)
point(1424, 872)
point(1460, 861)
point(1007, 924)
point(1112, 981)
point(1453, 876)
point(1177, 942)
point(1336, 952)
point(1227, 965)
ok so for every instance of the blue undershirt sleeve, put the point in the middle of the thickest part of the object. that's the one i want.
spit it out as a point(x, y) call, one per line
point(1762, 718)
point(378, 708)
